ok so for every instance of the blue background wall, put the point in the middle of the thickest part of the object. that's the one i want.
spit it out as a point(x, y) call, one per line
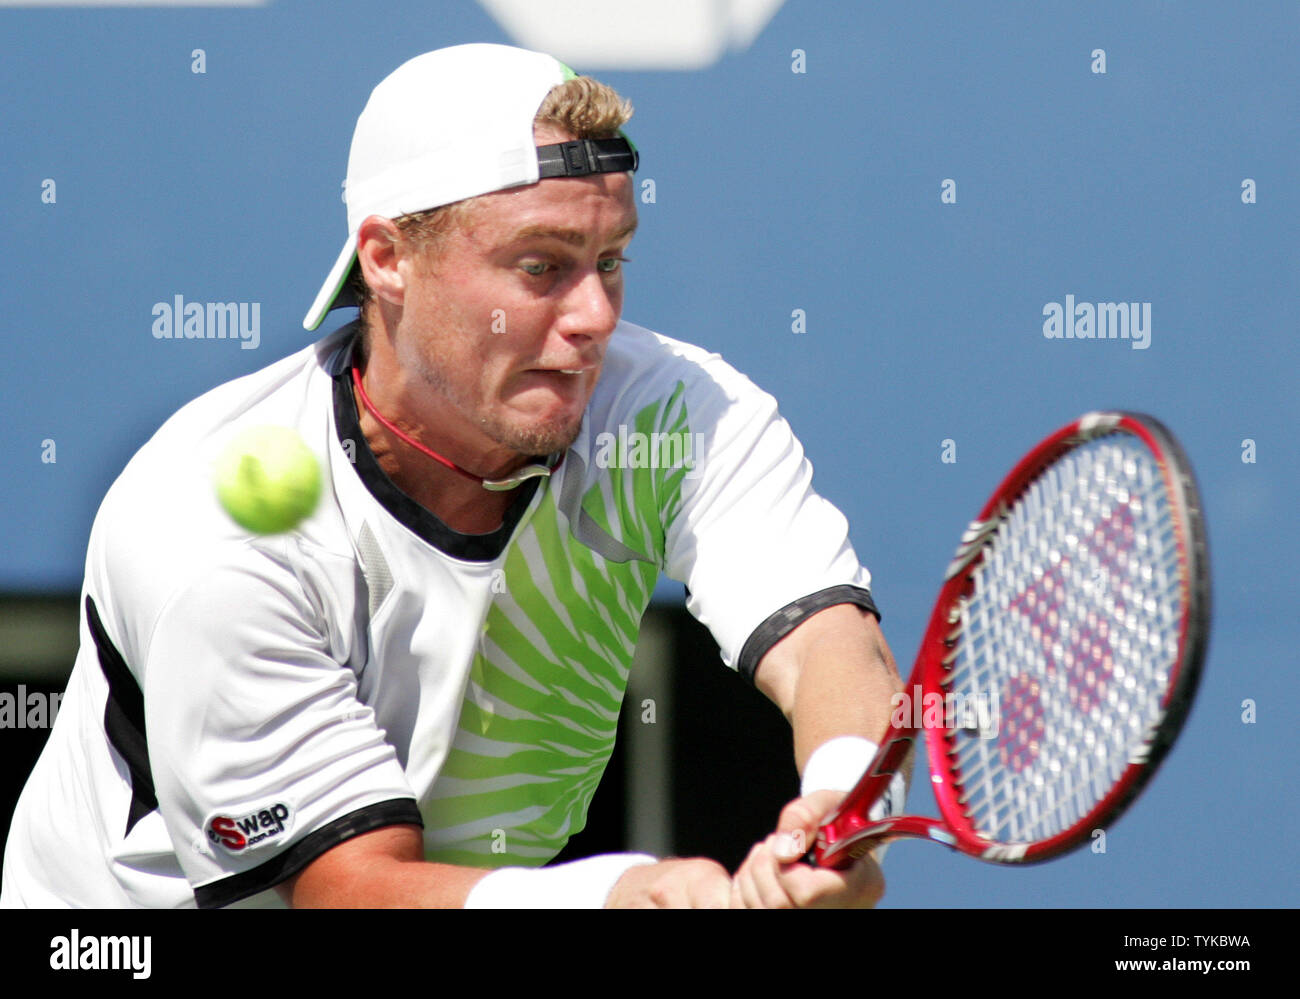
point(774, 191)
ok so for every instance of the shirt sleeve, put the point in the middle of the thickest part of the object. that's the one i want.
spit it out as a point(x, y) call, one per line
point(263, 756)
point(758, 549)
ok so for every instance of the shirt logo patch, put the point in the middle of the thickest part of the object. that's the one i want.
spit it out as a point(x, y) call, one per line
point(237, 833)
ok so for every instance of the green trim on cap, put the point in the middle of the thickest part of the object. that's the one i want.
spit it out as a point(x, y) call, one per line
point(332, 302)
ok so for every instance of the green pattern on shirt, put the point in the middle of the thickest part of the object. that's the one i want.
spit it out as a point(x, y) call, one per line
point(538, 723)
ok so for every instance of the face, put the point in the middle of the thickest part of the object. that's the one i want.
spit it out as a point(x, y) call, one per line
point(507, 318)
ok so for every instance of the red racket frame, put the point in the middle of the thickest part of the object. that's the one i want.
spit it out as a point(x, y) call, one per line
point(848, 833)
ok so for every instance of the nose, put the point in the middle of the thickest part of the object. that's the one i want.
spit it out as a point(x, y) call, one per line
point(592, 307)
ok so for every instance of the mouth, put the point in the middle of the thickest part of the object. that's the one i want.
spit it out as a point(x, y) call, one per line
point(570, 384)
point(562, 371)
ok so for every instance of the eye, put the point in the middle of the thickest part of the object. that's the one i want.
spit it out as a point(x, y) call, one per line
point(534, 267)
point(610, 265)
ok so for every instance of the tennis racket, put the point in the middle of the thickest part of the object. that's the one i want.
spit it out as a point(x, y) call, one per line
point(1061, 658)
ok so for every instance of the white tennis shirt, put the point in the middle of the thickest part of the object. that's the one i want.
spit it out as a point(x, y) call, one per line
point(242, 704)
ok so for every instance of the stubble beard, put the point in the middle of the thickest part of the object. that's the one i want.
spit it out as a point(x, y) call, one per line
point(542, 438)
point(535, 441)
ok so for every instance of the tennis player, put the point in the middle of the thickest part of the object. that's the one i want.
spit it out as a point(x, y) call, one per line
point(409, 699)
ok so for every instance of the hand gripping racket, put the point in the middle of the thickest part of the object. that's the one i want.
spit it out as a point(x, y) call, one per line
point(1061, 657)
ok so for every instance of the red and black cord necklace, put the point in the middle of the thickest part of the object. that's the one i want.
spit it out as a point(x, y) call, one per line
point(494, 485)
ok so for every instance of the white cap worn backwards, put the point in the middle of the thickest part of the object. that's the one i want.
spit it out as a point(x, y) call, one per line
point(450, 125)
point(445, 126)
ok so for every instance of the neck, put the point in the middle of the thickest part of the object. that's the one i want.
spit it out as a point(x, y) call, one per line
point(432, 476)
point(458, 501)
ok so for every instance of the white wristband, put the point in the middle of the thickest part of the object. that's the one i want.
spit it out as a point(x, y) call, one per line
point(580, 884)
point(838, 764)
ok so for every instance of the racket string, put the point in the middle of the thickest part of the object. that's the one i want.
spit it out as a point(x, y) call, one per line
point(1075, 606)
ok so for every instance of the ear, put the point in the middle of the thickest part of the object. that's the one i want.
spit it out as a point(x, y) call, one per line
point(378, 252)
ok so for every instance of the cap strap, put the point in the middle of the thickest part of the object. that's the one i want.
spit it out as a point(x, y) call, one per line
point(586, 156)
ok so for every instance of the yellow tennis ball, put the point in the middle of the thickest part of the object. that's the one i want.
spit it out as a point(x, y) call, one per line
point(268, 480)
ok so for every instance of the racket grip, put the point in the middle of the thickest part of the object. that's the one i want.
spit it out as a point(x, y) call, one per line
point(861, 822)
point(841, 859)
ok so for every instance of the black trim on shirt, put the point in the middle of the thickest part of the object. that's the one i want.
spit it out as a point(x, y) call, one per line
point(124, 719)
point(414, 517)
point(791, 616)
point(281, 867)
